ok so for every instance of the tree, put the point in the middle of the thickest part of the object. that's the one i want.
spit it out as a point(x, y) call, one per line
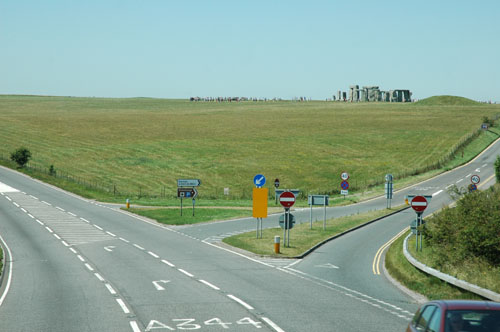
point(497, 169)
point(21, 156)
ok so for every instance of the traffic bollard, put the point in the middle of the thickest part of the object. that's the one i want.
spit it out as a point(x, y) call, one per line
point(128, 203)
point(276, 244)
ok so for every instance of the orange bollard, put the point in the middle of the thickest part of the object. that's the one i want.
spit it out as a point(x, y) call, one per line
point(276, 244)
point(128, 203)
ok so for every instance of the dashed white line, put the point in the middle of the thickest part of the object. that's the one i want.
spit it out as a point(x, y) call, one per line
point(243, 303)
point(153, 254)
point(31, 216)
point(41, 223)
point(138, 246)
point(85, 220)
point(209, 284)
point(484, 165)
point(460, 180)
point(46, 203)
point(72, 214)
point(81, 258)
point(33, 197)
point(168, 263)
point(10, 199)
point(437, 193)
point(123, 306)
point(65, 243)
point(113, 235)
point(134, 326)
point(17, 205)
point(60, 208)
point(22, 209)
point(57, 236)
point(451, 185)
point(98, 227)
point(110, 289)
point(89, 267)
point(73, 250)
point(124, 240)
point(186, 273)
point(99, 277)
point(468, 175)
point(47, 228)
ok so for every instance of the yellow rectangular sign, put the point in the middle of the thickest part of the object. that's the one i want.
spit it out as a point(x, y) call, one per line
point(260, 202)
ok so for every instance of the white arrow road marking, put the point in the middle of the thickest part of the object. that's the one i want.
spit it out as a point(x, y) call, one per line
point(157, 284)
point(109, 248)
point(328, 266)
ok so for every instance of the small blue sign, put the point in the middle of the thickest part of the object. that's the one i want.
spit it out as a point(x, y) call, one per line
point(259, 180)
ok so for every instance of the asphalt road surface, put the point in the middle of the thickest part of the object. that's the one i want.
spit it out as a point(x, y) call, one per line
point(74, 265)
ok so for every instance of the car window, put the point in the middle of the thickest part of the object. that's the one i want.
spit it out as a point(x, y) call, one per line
point(435, 321)
point(425, 317)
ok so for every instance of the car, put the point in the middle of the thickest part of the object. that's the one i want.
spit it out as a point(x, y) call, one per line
point(456, 316)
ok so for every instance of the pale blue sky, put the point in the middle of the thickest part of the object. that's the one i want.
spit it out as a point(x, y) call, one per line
point(177, 49)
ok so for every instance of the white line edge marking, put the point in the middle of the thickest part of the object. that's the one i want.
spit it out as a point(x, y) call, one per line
point(59, 208)
point(123, 306)
point(243, 303)
point(57, 236)
point(89, 267)
point(124, 240)
point(72, 214)
point(31, 216)
point(33, 197)
point(168, 263)
point(113, 235)
point(138, 246)
point(99, 277)
point(85, 220)
point(46, 203)
point(209, 284)
point(65, 243)
point(237, 253)
point(81, 258)
point(110, 289)
point(9, 279)
point(22, 209)
point(17, 205)
point(47, 228)
point(41, 223)
point(134, 326)
point(8, 198)
point(186, 273)
point(437, 193)
point(153, 254)
point(98, 227)
point(73, 250)
point(272, 324)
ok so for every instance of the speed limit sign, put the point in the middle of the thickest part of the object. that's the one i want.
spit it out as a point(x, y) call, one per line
point(344, 176)
point(475, 179)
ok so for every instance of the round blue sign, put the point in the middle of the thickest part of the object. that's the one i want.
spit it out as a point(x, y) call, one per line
point(259, 180)
point(344, 185)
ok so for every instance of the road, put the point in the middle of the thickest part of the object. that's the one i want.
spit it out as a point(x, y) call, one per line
point(80, 266)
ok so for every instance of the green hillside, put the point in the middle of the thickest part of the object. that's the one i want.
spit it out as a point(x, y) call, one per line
point(447, 101)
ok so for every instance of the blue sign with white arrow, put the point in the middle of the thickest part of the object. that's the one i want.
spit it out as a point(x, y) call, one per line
point(259, 180)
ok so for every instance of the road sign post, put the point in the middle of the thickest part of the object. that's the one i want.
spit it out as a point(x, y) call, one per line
point(287, 200)
point(419, 204)
point(259, 199)
point(318, 200)
point(344, 185)
point(183, 192)
point(388, 189)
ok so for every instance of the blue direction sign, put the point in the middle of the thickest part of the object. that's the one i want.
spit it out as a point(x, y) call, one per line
point(259, 180)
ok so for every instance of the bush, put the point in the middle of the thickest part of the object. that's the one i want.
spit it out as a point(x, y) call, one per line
point(21, 156)
point(497, 169)
point(471, 229)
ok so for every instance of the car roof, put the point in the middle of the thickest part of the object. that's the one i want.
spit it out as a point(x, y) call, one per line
point(467, 304)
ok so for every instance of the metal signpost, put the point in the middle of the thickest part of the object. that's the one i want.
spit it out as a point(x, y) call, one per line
point(344, 184)
point(317, 200)
point(388, 189)
point(419, 204)
point(182, 191)
point(259, 199)
point(287, 200)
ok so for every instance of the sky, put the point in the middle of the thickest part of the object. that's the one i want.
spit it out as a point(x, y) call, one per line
point(266, 49)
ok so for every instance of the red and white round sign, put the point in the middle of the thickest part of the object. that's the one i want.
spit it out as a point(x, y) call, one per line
point(287, 199)
point(419, 203)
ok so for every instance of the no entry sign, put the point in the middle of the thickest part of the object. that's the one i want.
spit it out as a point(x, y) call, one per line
point(287, 199)
point(419, 203)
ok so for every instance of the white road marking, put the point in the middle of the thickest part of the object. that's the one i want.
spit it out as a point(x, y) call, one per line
point(61, 209)
point(11, 265)
point(478, 170)
point(449, 186)
point(17, 205)
point(158, 286)
point(73, 250)
point(186, 273)
point(99, 277)
point(468, 175)
point(72, 214)
point(110, 289)
point(243, 303)
point(168, 263)
point(38, 221)
point(209, 284)
point(81, 258)
point(123, 306)
point(8, 198)
point(328, 266)
point(134, 326)
point(138, 246)
point(109, 248)
point(57, 236)
point(124, 240)
point(484, 165)
point(272, 324)
point(47, 228)
point(7, 189)
point(46, 203)
point(459, 180)
point(85, 220)
point(33, 197)
point(113, 235)
point(98, 227)
point(153, 254)
point(437, 193)
point(65, 243)
point(31, 216)
point(22, 209)
point(89, 267)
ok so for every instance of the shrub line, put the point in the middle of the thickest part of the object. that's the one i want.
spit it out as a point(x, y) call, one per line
point(449, 279)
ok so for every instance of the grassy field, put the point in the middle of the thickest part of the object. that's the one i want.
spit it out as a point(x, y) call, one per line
point(141, 146)
point(173, 216)
point(302, 238)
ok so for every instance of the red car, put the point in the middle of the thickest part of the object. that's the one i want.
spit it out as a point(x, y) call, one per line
point(456, 316)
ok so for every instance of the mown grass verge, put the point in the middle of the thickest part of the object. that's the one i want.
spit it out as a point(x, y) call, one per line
point(414, 279)
point(302, 238)
point(173, 216)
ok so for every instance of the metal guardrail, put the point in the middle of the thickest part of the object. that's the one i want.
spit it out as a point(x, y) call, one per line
point(486, 293)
